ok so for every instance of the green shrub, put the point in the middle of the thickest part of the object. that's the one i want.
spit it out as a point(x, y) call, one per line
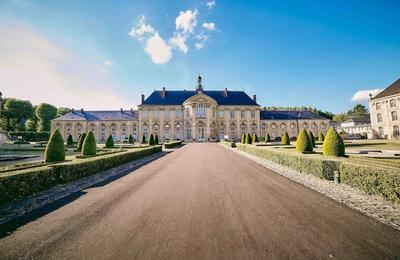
point(285, 139)
point(321, 136)
point(170, 145)
point(229, 144)
point(151, 140)
point(80, 141)
point(312, 138)
point(303, 143)
point(130, 139)
point(55, 149)
point(248, 139)
point(30, 136)
point(254, 138)
point(70, 141)
point(267, 138)
point(143, 139)
point(333, 144)
point(110, 142)
point(156, 139)
point(89, 145)
point(378, 180)
point(243, 140)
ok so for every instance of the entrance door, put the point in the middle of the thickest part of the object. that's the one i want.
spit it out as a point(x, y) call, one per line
point(201, 133)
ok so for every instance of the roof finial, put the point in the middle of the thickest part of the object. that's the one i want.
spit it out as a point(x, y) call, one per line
point(199, 86)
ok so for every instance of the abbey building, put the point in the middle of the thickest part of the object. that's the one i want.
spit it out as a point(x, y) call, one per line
point(190, 115)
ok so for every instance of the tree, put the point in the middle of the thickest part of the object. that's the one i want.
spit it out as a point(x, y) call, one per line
point(110, 142)
point(248, 138)
point(151, 140)
point(254, 138)
point(156, 139)
point(267, 138)
point(80, 141)
point(62, 111)
point(70, 141)
point(143, 139)
point(333, 144)
point(303, 143)
point(243, 138)
point(358, 110)
point(89, 145)
point(340, 117)
point(312, 138)
point(32, 123)
point(321, 136)
point(55, 149)
point(285, 139)
point(130, 139)
point(16, 112)
point(45, 113)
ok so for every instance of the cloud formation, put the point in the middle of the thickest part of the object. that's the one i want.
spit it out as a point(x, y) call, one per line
point(363, 95)
point(209, 26)
point(210, 4)
point(186, 21)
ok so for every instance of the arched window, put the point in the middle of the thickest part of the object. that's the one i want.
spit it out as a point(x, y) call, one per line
point(263, 129)
point(273, 125)
point(314, 125)
point(378, 106)
point(103, 132)
point(323, 126)
point(93, 128)
point(253, 128)
point(68, 129)
point(232, 128)
point(392, 103)
point(145, 130)
point(134, 132)
point(305, 125)
point(178, 131)
point(283, 126)
point(213, 131)
point(243, 129)
point(156, 129)
point(292, 126)
point(123, 131)
point(58, 127)
point(188, 131)
point(394, 116)
point(167, 131)
point(201, 110)
point(221, 131)
point(78, 130)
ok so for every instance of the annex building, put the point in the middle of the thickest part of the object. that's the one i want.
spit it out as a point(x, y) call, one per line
point(385, 111)
point(190, 115)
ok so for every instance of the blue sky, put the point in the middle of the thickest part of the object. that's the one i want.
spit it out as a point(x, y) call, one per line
point(104, 54)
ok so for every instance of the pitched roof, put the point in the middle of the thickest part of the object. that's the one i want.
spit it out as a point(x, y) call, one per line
point(394, 88)
point(359, 120)
point(288, 115)
point(177, 97)
point(123, 115)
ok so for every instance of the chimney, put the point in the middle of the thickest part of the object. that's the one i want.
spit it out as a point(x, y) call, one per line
point(255, 98)
point(121, 110)
point(131, 110)
point(163, 92)
point(226, 92)
point(142, 98)
point(81, 110)
point(73, 110)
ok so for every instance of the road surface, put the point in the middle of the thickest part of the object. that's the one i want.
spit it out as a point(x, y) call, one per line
point(201, 201)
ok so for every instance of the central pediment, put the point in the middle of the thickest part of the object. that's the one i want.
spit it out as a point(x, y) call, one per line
point(200, 98)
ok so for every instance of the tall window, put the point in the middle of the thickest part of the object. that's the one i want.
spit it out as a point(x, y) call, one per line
point(392, 103)
point(305, 125)
point(178, 114)
point(292, 126)
point(379, 118)
point(232, 113)
point(263, 129)
point(378, 106)
point(78, 130)
point(155, 114)
point(380, 130)
point(396, 131)
point(93, 128)
point(113, 131)
point(156, 128)
point(134, 132)
point(253, 114)
point(243, 129)
point(145, 114)
point(283, 126)
point(178, 131)
point(68, 129)
point(188, 132)
point(201, 110)
point(166, 114)
point(394, 116)
point(103, 132)
point(188, 111)
point(144, 130)
point(167, 130)
point(221, 114)
point(253, 128)
point(222, 131)
point(242, 114)
point(233, 131)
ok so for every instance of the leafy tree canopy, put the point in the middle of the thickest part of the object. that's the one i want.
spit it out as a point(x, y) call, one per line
point(358, 110)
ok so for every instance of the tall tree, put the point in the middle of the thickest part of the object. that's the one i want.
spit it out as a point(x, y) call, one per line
point(62, 111)
point(16, 112)
point(45, 113)
point(32, 123)
point(358, 110)
point(340, 117)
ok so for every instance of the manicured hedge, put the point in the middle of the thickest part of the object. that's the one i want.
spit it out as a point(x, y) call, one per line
point(228, 144)
point(172, 144)
point(308, 163)
point(378, 180)
point(21, 183)
point(30, 136)
point(55, 149)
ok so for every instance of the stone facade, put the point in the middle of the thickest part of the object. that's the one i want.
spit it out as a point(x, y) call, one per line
point(385, 112)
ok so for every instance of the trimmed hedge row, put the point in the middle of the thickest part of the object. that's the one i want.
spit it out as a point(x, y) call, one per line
point(18, 184)
point(369, 177)
point(30, 136)
point(172, 144)
point(228, 144)
point(308, 163)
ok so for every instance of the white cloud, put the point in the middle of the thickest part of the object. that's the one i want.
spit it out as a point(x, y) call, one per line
point(141, 30)
point(363, 95)
point(34, 68)
point(158, 49)
point(108, 62)
point(179, 40)
point(201, 40)
point(186, 21)
point(199, 45)
point(210, 4)
point(209, 26)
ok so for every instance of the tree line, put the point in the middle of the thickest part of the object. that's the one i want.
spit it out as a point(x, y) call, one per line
point(21, 115)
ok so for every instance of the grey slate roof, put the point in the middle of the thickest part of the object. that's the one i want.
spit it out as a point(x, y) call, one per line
point(394, 88)
point(100, 115)
point(359, 120)
point(288, 115)
point(177, 97)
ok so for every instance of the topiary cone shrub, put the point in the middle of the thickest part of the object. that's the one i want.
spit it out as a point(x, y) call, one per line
point(89, 145)
point(243, 138)
point(156, 139)
point(333, 144)
point(110, 142)
point(248, 138)
point(311, 136)
point(130, 139)
point(151, 140)
point(303, 143)
point(285, 139)
point(143, 139)
point(55, 149)
point(321, 136)
point(267, 138)
point(254, 138)
point(81, 140)
point(70, 141)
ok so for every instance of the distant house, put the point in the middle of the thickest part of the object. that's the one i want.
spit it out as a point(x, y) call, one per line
point(357, 127)
point(385, 112)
